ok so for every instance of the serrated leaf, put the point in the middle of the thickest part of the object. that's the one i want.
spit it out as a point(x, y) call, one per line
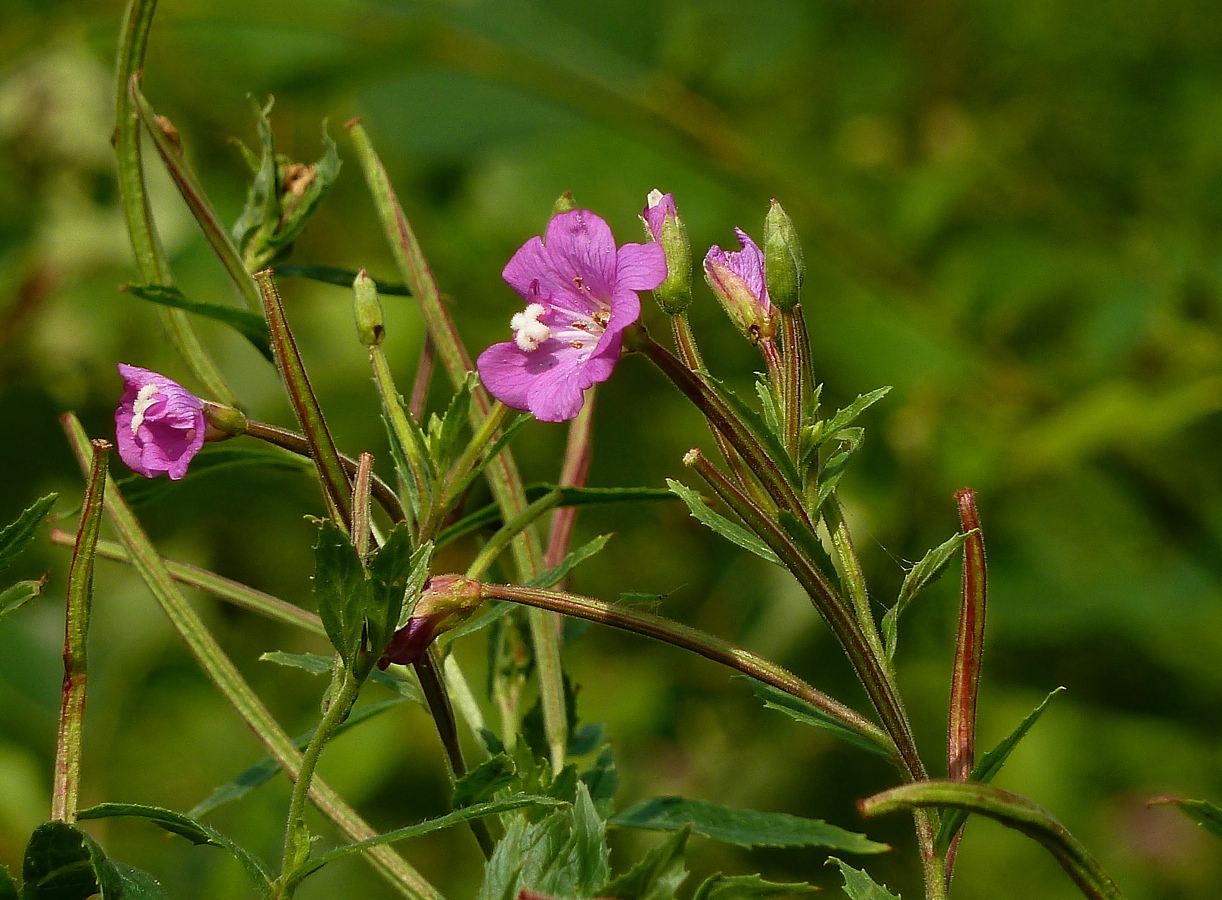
point(390, 576)
point(63, 863)
point(557, 574)
point(341, 589)
point(768, 405)
point(481, 783)
point(137, 884)
point(602, 781)
point(421, 560)
point(846, 416)
point(834, 469)
point(14, 597)
point(185, 826)
point(924, 573)
point(267, 768)
point(749, 887)
point(246, 323)
point(338, 276)
point(742, 827)
point(16, 536)
point(656, 876)
point(860, 886)
point(444, 440)
point(988, 767)
point(731, 531)
point(1204, 813)
point(562, 855)
point(801, 711)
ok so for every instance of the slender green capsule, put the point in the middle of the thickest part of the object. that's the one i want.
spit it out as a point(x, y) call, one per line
point(368, 309)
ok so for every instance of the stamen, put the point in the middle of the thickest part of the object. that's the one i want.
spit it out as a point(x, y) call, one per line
point(144, 399)
point(528, 331)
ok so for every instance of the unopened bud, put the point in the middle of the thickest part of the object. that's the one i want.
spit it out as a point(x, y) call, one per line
point(446, 602)
point(784, 266)
point(222, 421)
point(737, 279)
point(664, 225)
point(566, 202)
point(368, 308)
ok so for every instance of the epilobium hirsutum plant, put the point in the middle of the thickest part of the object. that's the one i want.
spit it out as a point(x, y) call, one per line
point(536, 811)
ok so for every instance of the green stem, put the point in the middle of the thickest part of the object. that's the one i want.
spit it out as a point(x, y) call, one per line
point(795, 388)
point(76, 630)
point(498, 542)
point(403, 433)
point(697, 641)
point(484, 435)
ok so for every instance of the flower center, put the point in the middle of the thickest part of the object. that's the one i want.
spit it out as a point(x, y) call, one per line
point(144, 399)
point(528, 331)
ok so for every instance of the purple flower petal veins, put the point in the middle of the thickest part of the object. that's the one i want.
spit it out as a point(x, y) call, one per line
point(737, 279)
point(159, 425)
point(580, 293)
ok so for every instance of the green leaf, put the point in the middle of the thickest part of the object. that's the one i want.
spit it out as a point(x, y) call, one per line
point(808, 714)
point(62, 863)
point(602, 780)
point(742, 827)
point(768, 405)
point(1204, 813)
point(925, 572)
point(342, 590)
point(16, 536)
point(138, 490)
point(860, 886)
point(267, 768)
point(481, 783)
point(8, 887)
point(755, 422)
point(421, 560)
point(317, 664)
point(562, 855)
point(557, 574)
point(656, 876)
point(427, 827)
point(846, 416)
point(834, 469)
point(13, 598)
point(748, 887)
point(249, 324)
point(185, 826)
point(390, 575)
point(137, 885)
point(988, 767)
point(443, 436)
point(731, 531)
point(338, 276)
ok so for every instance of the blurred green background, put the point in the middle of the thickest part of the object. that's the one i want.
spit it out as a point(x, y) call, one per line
point(1011, 213)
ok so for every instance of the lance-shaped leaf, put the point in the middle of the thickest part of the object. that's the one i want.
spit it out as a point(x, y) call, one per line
point(246, 323)
point(860, 886)
point(18, 595)
point(337, 490)
point(62, 863)
point(749, 887)
point(338, 276)
point(1010, 810)
point(185, 826)
point(988, 767)
point(342, 590)
point(18, 534)
point(731, 531)
point(925, 572)
point(1207, 815)
point(557, 574)
point(742, 827)
point(656, 876)
point(809, 714)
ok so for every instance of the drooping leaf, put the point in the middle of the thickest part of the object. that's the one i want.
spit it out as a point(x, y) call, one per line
point(988, 767)
point(924, 573)
point(249, 324)
point(14, 597)
point(1207, 815)
point(860, 886)
point(731, 531)
point(63, 863)
point(742, 827)
point(267, 768)
point(16, 536)
point(481, 783)
point(749, 887)
point(185, 826)
point(557, 574)
point(656, 876)
point(804, 712)
point(562, 855)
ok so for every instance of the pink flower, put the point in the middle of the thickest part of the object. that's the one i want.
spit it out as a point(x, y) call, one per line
point(737, 278)
point(657, 207)
point(159, 425)
point(580, 293)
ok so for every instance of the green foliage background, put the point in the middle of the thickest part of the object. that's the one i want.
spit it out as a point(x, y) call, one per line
point(1011, 214)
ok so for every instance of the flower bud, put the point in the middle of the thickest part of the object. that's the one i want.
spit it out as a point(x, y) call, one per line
point(446, 602)
point(566, 202)
point(369, 323)
point(737, 279)
point(665, 226)
point(784, 267)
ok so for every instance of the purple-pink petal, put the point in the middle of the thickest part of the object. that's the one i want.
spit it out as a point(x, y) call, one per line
point(746, 263)
point(655, 214)
point(170, 427)
point(640, 267)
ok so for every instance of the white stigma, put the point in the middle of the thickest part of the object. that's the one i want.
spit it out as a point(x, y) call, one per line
point(144, 399)
point(653, 198)
point(528, 331)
